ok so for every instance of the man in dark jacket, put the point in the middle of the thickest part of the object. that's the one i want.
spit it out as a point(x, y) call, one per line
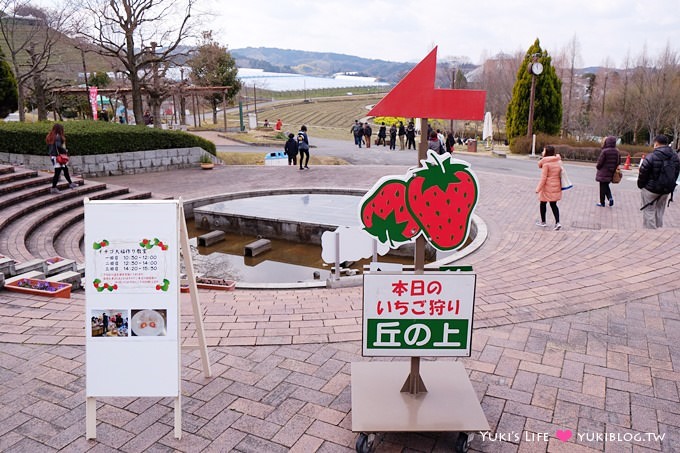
point(359, 134)
point(658, 173)
point(382, 134)
point(291, 149)
point(367, 134)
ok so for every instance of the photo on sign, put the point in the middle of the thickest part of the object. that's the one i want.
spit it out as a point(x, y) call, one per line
point(148, 323)
point(109, 323)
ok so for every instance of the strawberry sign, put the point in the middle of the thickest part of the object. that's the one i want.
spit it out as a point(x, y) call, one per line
point(435, 200)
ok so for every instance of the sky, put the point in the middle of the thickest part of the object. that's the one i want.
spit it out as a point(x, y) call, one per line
point(406, 30)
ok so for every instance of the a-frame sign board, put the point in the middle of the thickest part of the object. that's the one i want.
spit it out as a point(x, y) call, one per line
point(132, 308)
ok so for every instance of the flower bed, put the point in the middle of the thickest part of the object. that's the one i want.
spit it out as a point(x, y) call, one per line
point(216, 284)
point(40, 288)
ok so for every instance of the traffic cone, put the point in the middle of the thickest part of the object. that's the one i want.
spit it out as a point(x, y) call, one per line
point(626, 166)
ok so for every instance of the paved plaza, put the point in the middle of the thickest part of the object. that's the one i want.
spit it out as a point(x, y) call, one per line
point(576, 334)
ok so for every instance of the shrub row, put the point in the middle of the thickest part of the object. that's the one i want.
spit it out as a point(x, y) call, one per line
point(571, 149)
point(96, 137)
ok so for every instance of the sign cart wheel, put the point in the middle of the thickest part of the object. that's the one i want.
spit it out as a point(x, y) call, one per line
point(463, 442)
point(365, 443)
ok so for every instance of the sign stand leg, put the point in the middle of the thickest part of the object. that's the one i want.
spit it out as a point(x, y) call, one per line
point(90, 418)
point(193, 291)
point(414, 383)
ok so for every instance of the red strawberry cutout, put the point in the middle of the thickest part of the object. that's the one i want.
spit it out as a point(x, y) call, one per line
point(384, 213)
point(442, 195)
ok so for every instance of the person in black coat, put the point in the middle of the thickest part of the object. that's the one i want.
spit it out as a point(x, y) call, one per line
point(393, 137)
point(291, 149)
point(411, 136)
point(402, 136)
point(606, 166)
point(382, 134)
point(659, 171)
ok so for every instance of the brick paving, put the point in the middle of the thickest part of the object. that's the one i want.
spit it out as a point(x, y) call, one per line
point(576, 333)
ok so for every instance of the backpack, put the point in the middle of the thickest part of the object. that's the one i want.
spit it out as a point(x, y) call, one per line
point(301, 141)
point(667, 180)
point(668, 176)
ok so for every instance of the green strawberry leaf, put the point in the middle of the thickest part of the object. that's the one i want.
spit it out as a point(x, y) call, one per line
point(440, 173)
point(388, 229)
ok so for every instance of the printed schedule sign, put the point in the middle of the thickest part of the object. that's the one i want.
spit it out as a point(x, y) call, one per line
point(421, 315)
point(132, 298)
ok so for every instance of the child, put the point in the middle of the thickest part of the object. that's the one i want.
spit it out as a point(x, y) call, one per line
point(291, 149)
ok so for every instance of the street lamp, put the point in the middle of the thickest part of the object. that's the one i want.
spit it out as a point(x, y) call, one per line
point(535, 68)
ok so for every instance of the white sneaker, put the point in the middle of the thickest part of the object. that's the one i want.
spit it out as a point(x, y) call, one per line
point(541, 224)
point(557, 227)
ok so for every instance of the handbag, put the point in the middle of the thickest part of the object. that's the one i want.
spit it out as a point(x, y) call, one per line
point(62, 159)
point(565, 182)
point(617, 176)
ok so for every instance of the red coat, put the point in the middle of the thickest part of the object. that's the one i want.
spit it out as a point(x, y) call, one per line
point(550, 186)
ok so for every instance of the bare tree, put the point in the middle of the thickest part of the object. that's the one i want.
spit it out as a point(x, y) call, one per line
point(498, 79)
point(144, 36)
point(652, 83)
point(567, 63)
point(30, 35)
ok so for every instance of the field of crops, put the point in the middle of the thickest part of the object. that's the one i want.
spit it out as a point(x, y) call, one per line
point(324, 117)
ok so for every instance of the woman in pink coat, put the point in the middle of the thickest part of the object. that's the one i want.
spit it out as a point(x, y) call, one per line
point(549, 188)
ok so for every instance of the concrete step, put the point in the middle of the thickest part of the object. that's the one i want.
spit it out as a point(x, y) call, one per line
point(18, 175)
point(72, 277)
point(29, 274)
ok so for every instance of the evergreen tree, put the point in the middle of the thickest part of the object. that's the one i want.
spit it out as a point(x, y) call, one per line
point(8, 88)
point(547, 99)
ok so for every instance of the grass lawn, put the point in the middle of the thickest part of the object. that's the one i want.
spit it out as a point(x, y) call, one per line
point(258, 159)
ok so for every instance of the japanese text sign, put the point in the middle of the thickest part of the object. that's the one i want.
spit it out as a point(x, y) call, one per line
point(424, 315)
point(132, 297)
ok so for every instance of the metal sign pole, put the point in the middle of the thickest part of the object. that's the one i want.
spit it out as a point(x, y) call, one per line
point(414, 383)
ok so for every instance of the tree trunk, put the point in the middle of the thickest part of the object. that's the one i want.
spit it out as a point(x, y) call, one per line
point(137, 106)
point(21, 102)
point(39, 92)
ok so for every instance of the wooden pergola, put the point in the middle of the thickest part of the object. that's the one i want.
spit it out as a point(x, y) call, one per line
point(178, 90)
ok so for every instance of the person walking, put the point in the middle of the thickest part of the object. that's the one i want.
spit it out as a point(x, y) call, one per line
point(411, 136)
point(303, 147)
point(450, 142)
point(402, 135)
point(606, 167)
point(657, 179)
point(434, 144)
point(382, 134)
point(367, 134)
point(393, 137)
point(354, 131)
point(56, 148)
point(549, 188)
point(359, 134)
point(291, 149)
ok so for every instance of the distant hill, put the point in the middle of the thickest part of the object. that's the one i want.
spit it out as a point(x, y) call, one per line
point(318, 63)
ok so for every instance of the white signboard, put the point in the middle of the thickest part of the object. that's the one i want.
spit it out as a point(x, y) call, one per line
point(423, 315)
point(132, 298)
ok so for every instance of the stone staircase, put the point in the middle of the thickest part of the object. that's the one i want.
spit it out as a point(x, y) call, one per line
point(37, 225)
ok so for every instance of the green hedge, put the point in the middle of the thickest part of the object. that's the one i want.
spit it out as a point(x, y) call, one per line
point(571, 149)
point(96, 137)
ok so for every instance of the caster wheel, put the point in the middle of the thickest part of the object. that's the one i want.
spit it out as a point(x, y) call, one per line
point(365, 443)
point(463, 443)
